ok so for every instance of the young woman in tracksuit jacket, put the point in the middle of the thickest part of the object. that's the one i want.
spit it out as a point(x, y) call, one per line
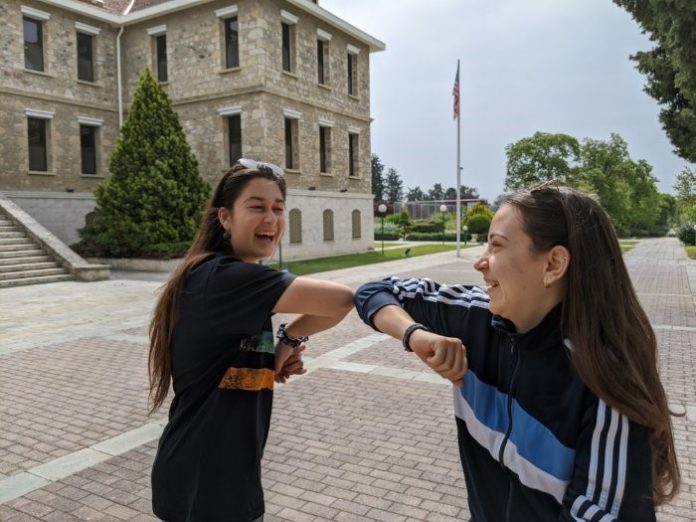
point(561, 414)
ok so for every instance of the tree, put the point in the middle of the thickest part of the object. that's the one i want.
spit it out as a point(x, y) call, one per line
point(436, 193)
point(450, 193)
point(670, 67)
point(479, 209)
point(404, 223)
point(393, 186)
point(415, 194)
point(152, 203)
point(686, 195)
point(542, 157)
point(468, 192)
point(377, 177)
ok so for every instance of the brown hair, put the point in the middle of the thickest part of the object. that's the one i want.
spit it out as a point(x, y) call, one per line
point(614, 346)
point(208, 241)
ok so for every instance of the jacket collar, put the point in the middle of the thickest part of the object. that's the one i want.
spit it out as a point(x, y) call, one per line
point(548, 329)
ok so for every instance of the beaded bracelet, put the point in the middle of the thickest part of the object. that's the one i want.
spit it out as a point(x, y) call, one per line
point(409, 331)
point(284, 338)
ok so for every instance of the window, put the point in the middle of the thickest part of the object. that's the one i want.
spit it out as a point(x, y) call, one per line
point(353, 155)
point(352, 62)
point(295, 217)
point(234, 137)
point(291, 144)
point(321, 72)
point(324, 149)
point(355, 220)
point(328, 225)
point(288, 47)
point(161, 57)
point(38, 148)
point(287, 25)
point(85, 57)
point(33, 44)
point(231, 42)
point(88, 149)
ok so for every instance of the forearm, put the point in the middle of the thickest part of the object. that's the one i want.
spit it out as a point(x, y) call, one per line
point(392, 320)
point(311, 324)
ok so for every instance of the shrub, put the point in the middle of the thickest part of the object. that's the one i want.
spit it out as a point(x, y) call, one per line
point(424, 225)
point(478, 224)
point(391, 230)
point(687, 235)
point(431, 236)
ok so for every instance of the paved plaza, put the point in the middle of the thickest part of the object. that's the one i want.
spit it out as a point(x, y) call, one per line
point(367, 434)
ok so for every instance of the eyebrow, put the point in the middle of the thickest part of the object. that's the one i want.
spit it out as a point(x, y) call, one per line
point(496, 234)
point(259, 198)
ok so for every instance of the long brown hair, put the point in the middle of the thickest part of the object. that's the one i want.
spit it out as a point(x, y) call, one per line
point(209, 240)
point(614, 346)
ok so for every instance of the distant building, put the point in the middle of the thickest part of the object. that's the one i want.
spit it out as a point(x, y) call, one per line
point(283, 81)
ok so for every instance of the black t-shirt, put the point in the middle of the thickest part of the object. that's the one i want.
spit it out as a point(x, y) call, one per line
point(208, 463)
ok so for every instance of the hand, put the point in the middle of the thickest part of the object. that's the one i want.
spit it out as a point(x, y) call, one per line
point(445, 355)
point(288, 362)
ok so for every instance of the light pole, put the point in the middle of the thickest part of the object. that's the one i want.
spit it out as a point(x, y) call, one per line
point(443, 209)
point(465, 229)
point(382, 209)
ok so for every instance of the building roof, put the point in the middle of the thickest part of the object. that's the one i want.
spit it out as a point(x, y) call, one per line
point(114, 13)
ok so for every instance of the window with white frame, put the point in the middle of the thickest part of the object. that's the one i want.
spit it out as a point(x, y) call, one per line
point(325, 146)
point(352, 64)
point(323, 54)
point(291, 138)
point(233, 130)
point(38, 139)
point(86, 51)
point(353, 154)
point(33, 27)
point(230, 35)
point(159, 51)
point(89, 144)
point(288, 40)
point(295, 219)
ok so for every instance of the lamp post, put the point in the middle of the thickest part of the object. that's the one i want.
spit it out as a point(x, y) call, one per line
point(465, 229)
point(382, 209)
point(443, 209)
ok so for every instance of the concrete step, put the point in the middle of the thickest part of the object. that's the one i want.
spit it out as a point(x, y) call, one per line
point(32, 250)
point(24, 260)
point(28, 267)
point(24, 245)
point(4, 283)
point(13, 241)
point(10, 233)
point(5, 227)
point(33, 273)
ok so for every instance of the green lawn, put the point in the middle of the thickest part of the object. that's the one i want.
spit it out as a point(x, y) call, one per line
point(378, 244)
point(627, 244)
point(691, 251)
point(323, 264)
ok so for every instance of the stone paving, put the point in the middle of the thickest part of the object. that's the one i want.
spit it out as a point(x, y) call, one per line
point(367, 434)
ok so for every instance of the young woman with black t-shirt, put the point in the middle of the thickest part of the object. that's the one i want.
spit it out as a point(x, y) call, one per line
point(211, 337)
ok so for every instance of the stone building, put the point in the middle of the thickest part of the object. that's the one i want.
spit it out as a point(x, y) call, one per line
point(284, 81)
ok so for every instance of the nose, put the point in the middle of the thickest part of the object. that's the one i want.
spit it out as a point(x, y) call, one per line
point(481, 263)
point(269, 217)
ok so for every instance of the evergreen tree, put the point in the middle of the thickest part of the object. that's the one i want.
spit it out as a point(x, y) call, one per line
point(151, 205)
point(377, 178)
point(393, 186)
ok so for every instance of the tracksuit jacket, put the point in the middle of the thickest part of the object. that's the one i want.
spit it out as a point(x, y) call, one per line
point(535, 443)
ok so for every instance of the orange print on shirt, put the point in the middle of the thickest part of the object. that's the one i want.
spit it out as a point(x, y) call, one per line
point(248, 379)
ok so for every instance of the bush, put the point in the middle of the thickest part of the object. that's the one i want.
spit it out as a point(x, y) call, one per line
point(478, 224)
point(424, 225)
point(391, 230)
point(687, 235)
point(431, 236)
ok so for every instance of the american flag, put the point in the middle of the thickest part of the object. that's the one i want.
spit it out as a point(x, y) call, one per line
point(455, 93)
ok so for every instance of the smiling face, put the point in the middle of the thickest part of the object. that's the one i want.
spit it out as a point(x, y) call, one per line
point(257, 220)
point(521, 283)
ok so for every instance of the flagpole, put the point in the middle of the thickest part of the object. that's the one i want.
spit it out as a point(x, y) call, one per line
point(459, 169)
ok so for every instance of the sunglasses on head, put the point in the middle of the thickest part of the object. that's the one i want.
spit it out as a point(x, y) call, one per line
point(261, 166)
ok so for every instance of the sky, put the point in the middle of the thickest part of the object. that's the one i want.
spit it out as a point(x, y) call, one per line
point(557, 66)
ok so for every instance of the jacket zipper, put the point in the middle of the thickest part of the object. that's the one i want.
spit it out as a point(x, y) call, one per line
point(513, 353)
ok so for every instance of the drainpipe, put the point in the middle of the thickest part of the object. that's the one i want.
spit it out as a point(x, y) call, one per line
point(118, 78)
point(118, 67)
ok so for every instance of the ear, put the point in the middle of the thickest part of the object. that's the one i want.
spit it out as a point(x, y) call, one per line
point(224, 217)
point(557, 262)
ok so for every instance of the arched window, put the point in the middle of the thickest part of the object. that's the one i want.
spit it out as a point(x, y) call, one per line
point(295, 226)
point(355, 217)
point(328, 225)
